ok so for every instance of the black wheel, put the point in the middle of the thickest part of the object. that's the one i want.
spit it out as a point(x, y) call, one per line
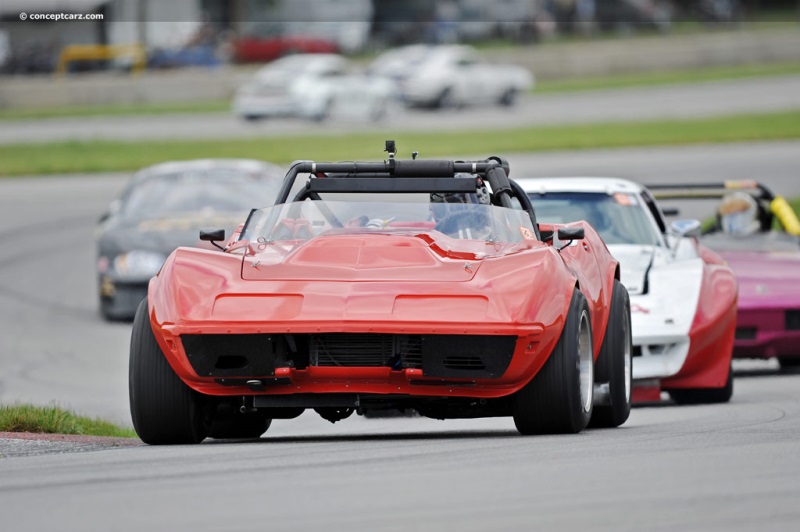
point(614, 364)
point(509, 98)
point(789, 363)
point(698, 396)
point(559, 398)
point(446, 100)
point(164, 410)
point(231, 424)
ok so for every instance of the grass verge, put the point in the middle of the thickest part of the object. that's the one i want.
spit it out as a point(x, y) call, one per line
point(55, 420)
point(696, 75)
point(111, 156)
point(542, 87)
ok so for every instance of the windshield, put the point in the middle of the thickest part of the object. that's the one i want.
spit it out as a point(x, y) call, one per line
point(619, 218)
point(205, 192)
point(459, 227)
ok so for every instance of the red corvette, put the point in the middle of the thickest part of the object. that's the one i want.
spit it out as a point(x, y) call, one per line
point(355, 296)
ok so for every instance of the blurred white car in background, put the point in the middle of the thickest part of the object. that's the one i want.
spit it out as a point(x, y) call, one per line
point(451, 76)
point(314, 86)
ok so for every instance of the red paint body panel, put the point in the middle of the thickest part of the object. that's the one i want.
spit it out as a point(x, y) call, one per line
point(265, 49)
point(375, 283)
point(712, 334)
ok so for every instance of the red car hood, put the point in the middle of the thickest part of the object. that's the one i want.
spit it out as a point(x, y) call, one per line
point(766, 278)
point(355, 258)
point(392, 279)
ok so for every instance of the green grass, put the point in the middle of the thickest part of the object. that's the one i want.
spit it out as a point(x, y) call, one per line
point(55, 420)
point(110, 156)
point(696, 75)
point(542, 87)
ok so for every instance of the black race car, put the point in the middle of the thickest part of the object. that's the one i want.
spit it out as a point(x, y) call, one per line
point(162, 208)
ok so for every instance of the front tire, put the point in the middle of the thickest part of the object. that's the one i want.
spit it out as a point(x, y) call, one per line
point(446, 100)
point(163, 409)
point(559, 398)
point(614, 365)
point(699, 396)
point(509, 98)
point(789, 363)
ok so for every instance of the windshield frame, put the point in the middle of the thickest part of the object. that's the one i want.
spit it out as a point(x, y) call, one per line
point(656, 238)
point(477, 229)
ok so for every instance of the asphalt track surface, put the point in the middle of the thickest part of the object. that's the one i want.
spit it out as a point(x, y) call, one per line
point(614, 105)
point(732, 467)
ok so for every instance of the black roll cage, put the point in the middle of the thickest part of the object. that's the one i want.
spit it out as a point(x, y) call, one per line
point(406, 176)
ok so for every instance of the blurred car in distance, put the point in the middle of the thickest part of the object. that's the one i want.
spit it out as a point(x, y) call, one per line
point(271, 40)
point(163, 207)
point(683, 296)
point(451, 76)
point(758, 235)
point(313, 86)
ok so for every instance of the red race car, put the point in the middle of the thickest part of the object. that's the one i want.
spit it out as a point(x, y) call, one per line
point(269, 41)
point(401, 284)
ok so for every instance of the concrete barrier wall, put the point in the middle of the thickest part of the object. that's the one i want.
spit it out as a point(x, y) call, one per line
point(550, 61)
point(622, 55)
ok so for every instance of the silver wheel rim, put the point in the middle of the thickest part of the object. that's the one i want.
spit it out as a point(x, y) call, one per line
point(585, 362)
point(627, 358)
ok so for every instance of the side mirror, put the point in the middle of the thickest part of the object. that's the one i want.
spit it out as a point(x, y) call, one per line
point(684, 228)
point(113, 208)
point(213, 236)
point(571, 233)
point(670, 211)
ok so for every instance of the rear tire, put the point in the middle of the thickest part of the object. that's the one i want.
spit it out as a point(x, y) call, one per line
point(614, 365)
point(163, 409)
point(559, 398)
point(700, 396)
point(231, 424)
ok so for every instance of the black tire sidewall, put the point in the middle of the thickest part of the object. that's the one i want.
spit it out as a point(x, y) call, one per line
point(164, 410)
point(610, 366)
point(551, 402)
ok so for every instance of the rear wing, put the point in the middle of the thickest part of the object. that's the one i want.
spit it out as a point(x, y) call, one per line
point(710, 190)
point(774, 204)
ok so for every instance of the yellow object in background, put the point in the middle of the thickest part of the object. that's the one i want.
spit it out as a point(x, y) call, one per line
point(99, 52)
point(785, 214)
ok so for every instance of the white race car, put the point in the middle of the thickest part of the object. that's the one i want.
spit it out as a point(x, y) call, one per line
point(313, 86)
point(442, 76)
point(683, 296)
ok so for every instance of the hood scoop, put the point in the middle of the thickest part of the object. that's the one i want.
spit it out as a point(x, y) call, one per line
point(378, 257)
point(635, 263)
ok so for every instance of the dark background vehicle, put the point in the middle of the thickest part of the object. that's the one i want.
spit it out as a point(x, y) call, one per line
point(163, 207)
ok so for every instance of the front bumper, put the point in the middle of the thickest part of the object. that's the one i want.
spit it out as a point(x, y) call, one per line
point(767, 333)
point(437, 365)
point(119, 299)
point(659, 357)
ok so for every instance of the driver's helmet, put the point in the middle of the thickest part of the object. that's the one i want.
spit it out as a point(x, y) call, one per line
point(738, 214)
point(461, 215)
point(444, 204)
